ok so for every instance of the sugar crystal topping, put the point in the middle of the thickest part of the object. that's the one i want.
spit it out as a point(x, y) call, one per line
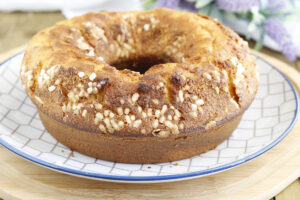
point(138, 108)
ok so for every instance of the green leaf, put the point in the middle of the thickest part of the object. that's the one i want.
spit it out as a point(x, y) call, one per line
point(205, 10)
point(247, 15)
point(257, 17)
point(148, 3)
point(202, 3)
point(229, 15)
point(216, 13)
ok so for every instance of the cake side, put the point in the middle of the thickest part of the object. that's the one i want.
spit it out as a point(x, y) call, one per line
point(139, 149)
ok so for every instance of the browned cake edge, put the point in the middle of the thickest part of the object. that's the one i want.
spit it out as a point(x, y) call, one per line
point(139, 150)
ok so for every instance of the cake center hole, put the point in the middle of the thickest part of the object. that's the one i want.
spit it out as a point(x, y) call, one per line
point(141, 64)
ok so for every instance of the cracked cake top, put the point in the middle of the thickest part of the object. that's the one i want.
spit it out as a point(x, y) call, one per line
point(141, 73)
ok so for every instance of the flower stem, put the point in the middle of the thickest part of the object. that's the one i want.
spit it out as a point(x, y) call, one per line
point(259, 43)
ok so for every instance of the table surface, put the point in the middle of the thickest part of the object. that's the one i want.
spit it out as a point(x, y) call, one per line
point(18, 27)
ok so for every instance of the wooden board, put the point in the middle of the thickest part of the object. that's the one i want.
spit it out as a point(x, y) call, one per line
point(259, 179)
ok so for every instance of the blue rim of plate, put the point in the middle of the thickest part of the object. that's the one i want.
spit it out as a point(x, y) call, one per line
point(164, 177)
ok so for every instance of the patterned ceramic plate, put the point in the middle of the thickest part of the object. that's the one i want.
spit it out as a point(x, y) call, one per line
point(268, 120)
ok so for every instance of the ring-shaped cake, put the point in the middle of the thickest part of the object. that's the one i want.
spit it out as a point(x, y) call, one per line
point(140, 86)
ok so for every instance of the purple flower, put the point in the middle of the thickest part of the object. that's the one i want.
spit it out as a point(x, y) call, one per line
point(276, 5)
point(237, 5)
point(279, 6)
point(173, 4)
point(188, 5)
point(276, 30)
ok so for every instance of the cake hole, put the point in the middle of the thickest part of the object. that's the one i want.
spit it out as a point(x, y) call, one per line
point(141, 64)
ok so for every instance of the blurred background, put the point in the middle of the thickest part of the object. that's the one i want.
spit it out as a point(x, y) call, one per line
point(270, 26)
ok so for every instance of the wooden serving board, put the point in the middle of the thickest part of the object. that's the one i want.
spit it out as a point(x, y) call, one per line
point(259, 179)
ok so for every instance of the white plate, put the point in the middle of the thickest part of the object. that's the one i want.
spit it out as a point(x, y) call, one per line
point(267, 121)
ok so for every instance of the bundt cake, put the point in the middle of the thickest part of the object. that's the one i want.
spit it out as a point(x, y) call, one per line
point(140, 86)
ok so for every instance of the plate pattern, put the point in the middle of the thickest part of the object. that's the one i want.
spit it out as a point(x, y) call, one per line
point(265, 123)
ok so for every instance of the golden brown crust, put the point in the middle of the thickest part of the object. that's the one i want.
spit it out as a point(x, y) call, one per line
point(208, 78)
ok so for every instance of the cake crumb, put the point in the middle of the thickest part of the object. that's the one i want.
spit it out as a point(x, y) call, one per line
point(146, 27)
point(234, 60)
point(210, 125)
point(126, 111)
point(51, 88)
point(207, 76)
point(92, 76)
point(199, 102)
point(135, 97)
point(155, 101)
point(88, 23)
point(217, 90)
point(194, 107)
point(84, 113)
point(81, 74)
point(38, 99)
point(91, 53)
point(180, 95)
point(90, 90)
